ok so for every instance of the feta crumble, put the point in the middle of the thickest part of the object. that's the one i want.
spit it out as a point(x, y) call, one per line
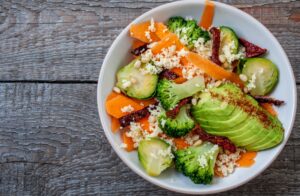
point(116, 89)
point(126, 84)
point(127, 109)
point(152, 26)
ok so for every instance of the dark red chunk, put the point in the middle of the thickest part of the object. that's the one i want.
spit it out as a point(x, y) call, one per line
point(266, 99)
point(173, 113)
point(216, 40)
point(224, 142)
point(252, 50)
point(134, 117)
point(139, 50)
point(168, 75)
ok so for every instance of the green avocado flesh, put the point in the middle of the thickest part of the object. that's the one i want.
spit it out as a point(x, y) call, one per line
point(227, 111)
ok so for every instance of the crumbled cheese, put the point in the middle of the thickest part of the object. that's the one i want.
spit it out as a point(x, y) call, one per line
point(218, 83)
point(116, 89)
point(151, 45)
point(126, 84)
point(133, 80)
point(191, 139)
point(184, 40)
point(163, 122)
point(152, 26)
point(226, 162)
point(182, 52)
point(146, 56)
point(155, 111)
point(197, 143)
point(203, 48)
point(137, 64)
point(243, 77)
point(227, 52)
point(251, 83)
point(188, 18)
point(148, 36)
point(202, 161)
point(166, 153)
point(136, 133)
point(127, 109)
point(189, 72)
point(165, 30)
point(194, 101)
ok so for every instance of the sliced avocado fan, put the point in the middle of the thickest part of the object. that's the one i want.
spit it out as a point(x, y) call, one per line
point(227, 111)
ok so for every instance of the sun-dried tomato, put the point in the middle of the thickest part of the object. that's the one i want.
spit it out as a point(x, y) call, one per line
point(173, 113)
point(266, 99)
point(216, 40)
point(252, 50)
point(168, 74)
point(139, 50)
point(224, 142)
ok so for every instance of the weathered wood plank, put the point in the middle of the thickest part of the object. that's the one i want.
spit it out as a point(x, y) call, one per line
point(68, 40)
point(51, 142)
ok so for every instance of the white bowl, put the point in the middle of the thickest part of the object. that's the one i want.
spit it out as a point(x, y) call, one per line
point(245, 26)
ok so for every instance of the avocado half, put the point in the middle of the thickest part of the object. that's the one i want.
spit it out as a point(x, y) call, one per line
point(227, 111)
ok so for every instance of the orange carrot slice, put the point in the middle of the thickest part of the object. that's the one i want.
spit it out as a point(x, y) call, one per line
point(247, 159)
point(208, 14)
point(128, 142)
point(112, 95)
point(138, 31)
point(212, 69)
point(137, 43)
point(169, 40)
point(180, 79)
point(180, 143)
point(269, 108)
point(114, 105)
point(161, 30)
point(145, 124)
point(115, 124)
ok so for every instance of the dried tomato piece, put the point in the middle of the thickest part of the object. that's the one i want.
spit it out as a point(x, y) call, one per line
point(168, 75)
point(252, 50)
point(139, 50)
point(266, 99)
point(224, 142)
point(173, 113)
point(216, 40)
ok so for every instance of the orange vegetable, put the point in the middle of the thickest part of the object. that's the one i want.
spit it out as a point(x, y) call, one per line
point(114, 105)
point(169, 40)
point(212, 69)
point(137, 43)
point(145, 124)
point(115, 124)
point(161, 30)
point(208, 14)
point(138, 31)
point(180, 143)
point(112, 95)
point(269, 108)
point(247, 159)
point(178, 71)
point(128, 141)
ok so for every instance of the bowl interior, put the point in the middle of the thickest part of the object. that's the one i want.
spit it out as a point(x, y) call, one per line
point(246, 27)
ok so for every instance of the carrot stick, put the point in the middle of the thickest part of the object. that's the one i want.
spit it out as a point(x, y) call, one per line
point(208, 14)
point(178, 72)
point(212, 69)
point(247, 159)
point(112, 95)
point(161, 30)
point(115, 124)
point(269, 108)
point(128, 141)
point(138, 31)
point(137, 43)
point(180, 143)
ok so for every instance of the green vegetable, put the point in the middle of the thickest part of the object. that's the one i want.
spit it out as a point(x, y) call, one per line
point(179, 126)
point(265, 75)
point(197, 162)
point(155, 155)
point(228, 36)
point(187, 29)
point(227, 111)
point(169, 93)
point(142, 86)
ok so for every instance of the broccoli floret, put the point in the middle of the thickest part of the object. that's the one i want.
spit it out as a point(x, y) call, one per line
point(169, 93)
point(187, 30)
point(180, 125)
point(197, 162)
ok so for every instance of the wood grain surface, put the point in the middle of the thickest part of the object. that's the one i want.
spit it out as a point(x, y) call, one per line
point(51, 139)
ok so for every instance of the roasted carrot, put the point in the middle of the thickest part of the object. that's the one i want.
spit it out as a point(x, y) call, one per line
point(169, 40)
point(178, 72)
point(269, 108)
point(128, 142)
point(208, 14)
point(112, 95)
point(139, 31)
point(212, 69)
point(137, 43)
point(247, 159)
point(161, 30)
point(145, 124)
point(180, 143)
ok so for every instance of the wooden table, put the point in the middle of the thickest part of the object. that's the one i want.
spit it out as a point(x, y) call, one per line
point(51, 139)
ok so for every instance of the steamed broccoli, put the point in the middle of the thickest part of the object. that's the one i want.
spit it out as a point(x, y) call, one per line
point(169, 93)
point(178, 126)
point(187, 30)
point(197, 162)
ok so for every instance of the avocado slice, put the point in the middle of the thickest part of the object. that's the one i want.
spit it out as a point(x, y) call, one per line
point(227, 111)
